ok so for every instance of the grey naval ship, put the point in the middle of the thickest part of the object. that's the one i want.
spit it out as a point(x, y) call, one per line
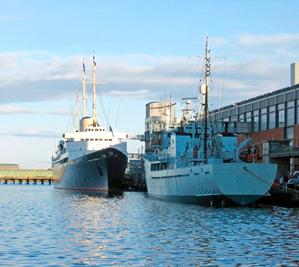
point(92, 158)
point(198, 160)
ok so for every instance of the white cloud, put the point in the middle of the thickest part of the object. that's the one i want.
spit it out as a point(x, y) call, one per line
point(13, 109)
point(41, 76)
point(137, 93)
point(268, 40)
point(31, 133)
point(19, 109)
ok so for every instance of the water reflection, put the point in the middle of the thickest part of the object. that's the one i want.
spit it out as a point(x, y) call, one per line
point(40, 225)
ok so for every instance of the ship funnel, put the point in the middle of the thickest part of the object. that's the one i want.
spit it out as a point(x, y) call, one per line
point(85, 122)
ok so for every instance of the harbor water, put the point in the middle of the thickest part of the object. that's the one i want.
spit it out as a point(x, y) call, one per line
point(42, 226)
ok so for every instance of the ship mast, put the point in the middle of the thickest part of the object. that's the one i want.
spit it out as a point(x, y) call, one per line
point(94, 119)
point(205, 97)
point(84, 89)
point(77, 112)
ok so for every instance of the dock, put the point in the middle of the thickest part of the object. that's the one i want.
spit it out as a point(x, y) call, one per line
point(26, 176)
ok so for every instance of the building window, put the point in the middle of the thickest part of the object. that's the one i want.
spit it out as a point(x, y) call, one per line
point(233, 112)
point(281, 106)
point(248, 116)
point(248, 107)
point(272, 109)
point(256, 123)
point(255, 105)
point(271, 101)
point(241, 117)
point(281, 118)
point(281, 115)
point(290, 104)
point(263, 122)
point(290, 116)
point(263, 103)
point(264, 119)
point(272, 120)
point(233, 118)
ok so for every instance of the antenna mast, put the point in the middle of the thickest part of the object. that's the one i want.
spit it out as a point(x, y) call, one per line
point(205, 96)
point(84, 89)
point(94, 119)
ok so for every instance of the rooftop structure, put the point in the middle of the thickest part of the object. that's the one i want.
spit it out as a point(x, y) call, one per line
point(294, 74)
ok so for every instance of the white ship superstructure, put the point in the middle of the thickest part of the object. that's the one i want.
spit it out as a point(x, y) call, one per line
point(92, 158)
point(197, 160)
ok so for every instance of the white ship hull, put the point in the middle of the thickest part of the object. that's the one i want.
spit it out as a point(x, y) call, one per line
point(100, 171)
point(235, 183)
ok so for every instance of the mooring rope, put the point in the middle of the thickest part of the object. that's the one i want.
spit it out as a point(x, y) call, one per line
point(272, 183)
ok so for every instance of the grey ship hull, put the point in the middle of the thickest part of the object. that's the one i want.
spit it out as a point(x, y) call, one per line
point(224, 184)
point(100, 171)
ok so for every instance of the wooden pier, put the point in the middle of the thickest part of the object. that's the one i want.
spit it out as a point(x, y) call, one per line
point(22, 176)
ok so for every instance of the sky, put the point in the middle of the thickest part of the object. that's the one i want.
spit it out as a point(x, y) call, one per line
point(145, 51)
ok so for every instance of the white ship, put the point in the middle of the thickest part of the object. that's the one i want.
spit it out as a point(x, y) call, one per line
point(197, 160)
point(92, 158)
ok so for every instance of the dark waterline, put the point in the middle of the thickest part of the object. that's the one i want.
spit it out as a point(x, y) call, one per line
point(41, 226)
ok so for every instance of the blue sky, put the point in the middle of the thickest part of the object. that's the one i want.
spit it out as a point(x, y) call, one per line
point(145, 51)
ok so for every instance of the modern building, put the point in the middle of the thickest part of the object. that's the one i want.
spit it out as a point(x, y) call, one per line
point(274, 119)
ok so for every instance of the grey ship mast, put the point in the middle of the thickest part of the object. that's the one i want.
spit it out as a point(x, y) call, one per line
point(94, 119)
point(205, 99)
point(84, 88)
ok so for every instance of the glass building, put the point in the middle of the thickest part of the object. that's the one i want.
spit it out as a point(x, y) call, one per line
point(267, 113)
